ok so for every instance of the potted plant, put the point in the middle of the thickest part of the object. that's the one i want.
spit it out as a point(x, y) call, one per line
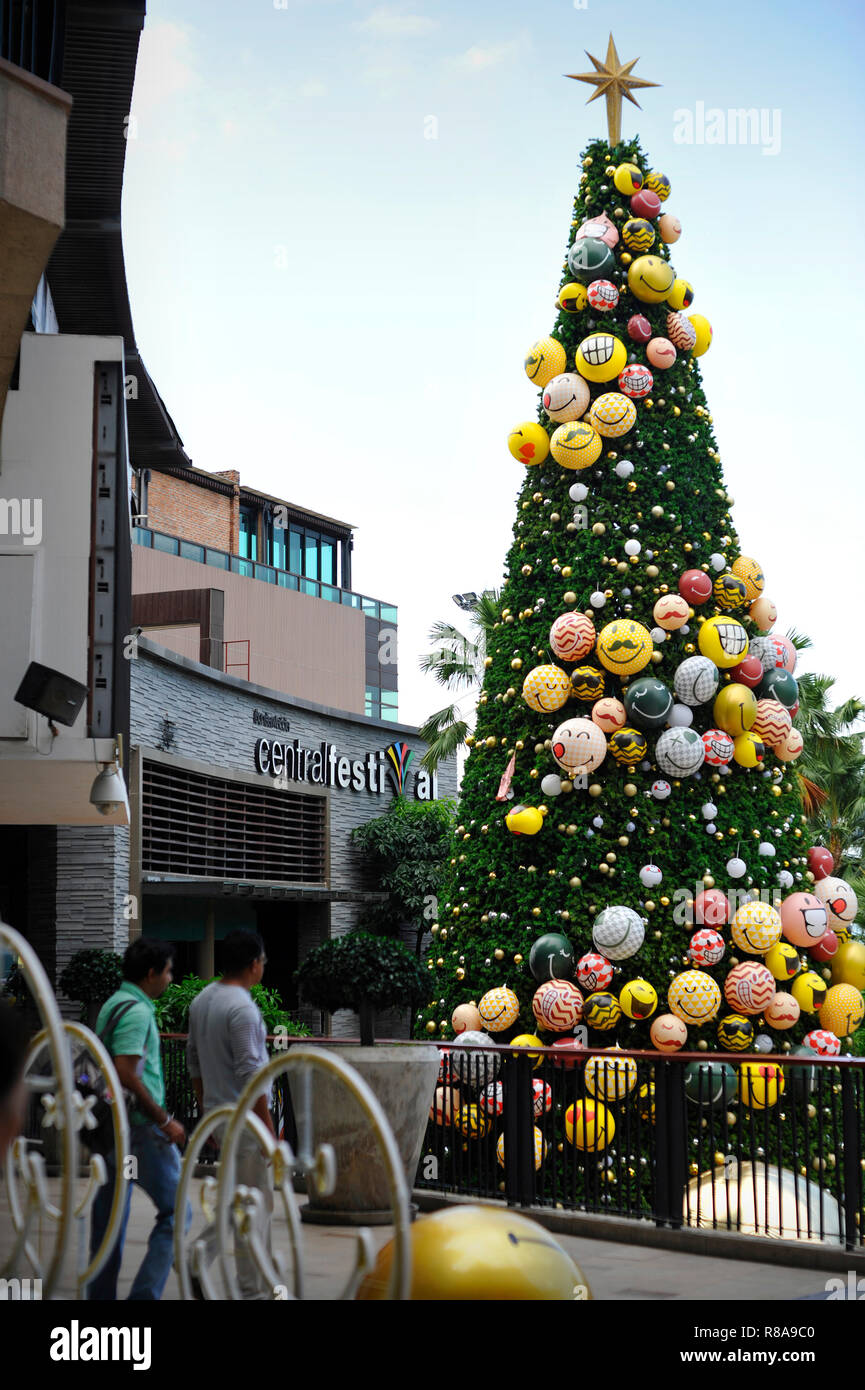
point(366, 973)
point(91, 977)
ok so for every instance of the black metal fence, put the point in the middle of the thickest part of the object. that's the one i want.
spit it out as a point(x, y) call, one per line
point(763, 1144)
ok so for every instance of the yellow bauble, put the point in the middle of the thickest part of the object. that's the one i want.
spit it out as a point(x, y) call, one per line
point(573, 297)
point(628, 179)
point(809, 990)
point(703, 329)
point(751, 573)
point(529, 442)
point(724, 641)
point(529, 1040)
point(650, 279)
point(756, 927)
point(601, 357)
point(576, 445)
point(842, 1010)
point(783, 961)
point(613, 414)
point(589, 1125)
point(499, 1008)
point(848, 965)
point(681, 294)
point(546, 688)
point(524, 820)
point(748, 750)
point(761, 1084)
point(472, 1122)
point(656, 182)
point(610, 1077)
point(624, 646)
point(540, 1148)
point(544, 360)
point(735, 709)
point(480, 1254)
point(638, 999)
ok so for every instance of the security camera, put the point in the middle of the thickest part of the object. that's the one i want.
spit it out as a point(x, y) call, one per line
point(108, 793)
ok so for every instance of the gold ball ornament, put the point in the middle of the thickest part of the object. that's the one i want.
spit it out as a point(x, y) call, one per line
point(480, 1254)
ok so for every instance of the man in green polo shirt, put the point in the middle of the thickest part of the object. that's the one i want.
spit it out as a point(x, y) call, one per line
point(127, 1026)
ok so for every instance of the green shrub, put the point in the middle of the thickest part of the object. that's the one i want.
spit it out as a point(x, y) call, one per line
point(91, 977)
point(362, 972)
point(172, 1007)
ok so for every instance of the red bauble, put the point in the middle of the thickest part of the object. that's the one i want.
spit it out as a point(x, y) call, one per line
point(825, 948)
point(711, 908)
point(645, 203)
point(820, 862)
point(749, 672)
point(639, 328)
point(568, 1051)
point(696, 587)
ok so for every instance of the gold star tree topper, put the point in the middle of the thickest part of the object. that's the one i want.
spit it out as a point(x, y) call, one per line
point(613, 81)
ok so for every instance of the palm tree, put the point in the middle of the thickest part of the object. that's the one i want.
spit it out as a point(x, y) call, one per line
point(457, 662)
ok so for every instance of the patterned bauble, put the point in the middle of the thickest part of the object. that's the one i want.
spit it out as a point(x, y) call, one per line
point(578, 745)
point(624, 646)
point(576, 445)
point(824, 1043)
point(842, 1010)
point(557, 1005)
point(566, 397)
point(618, 931)
point(756, 927)
point(603, 296)
point(749, 987)
point(590, 1127)
point(706, 947)
point(789, 749)
point(735, 1033)
point(572, 636)
point(671, 612)
point(782, 1011)
point(679, 752)
point(751, 571)
point(636, 381)
point(696, 680)
point(638, 234)
point(546, 688)
point(474, 1068)
point(539, 1149)
point(668, 1033)
point(838, 898)
point(772, 722)
point(602, 1011)
point(694, 997)
point(542, 1097)
point(628, 746)
point(658, 183)
point(491, 1098)
point(472, 1122)
point(719, 747)
point(613, 414)
point(729, 593)
point(611, 1077)
point(587, 682)
point(545, 359)
point(594, 971)
point(680, 331)
point(499, 1008)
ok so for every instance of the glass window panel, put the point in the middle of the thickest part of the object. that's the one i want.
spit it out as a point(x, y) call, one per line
point(389, 697)
point(389, 714)
point(309, 586)
point(388, 613)
point(218, 558)
point(277, 548)
point(245, 567)
point(265, 572)
point(295, 551)
point(166, 543)
point(190, 551)
point(330, 593)
point(310, 555)
point(350, 600)
point(286, 581)
point(141, 536)
point(370, 607)
point(328, 561)
point(248, 534)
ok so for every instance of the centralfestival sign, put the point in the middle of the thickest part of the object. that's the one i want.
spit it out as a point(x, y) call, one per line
point(324, 765)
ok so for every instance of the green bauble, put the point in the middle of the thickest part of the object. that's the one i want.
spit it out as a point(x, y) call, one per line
point(552, 957)
point(710, 1083)
point(648, 702)
point(781, 686)
point(591, 259)
point(802, 1080)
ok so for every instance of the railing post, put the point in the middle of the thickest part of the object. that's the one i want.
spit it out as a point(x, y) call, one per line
point(671, 1143)
point(852, 1159)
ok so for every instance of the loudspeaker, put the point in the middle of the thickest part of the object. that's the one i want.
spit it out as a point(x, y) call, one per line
point(48, 692)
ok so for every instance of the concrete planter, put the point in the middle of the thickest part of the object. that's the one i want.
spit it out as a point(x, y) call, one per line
point(403, 1079)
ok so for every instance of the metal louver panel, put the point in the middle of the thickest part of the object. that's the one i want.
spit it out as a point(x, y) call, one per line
point(210, 827)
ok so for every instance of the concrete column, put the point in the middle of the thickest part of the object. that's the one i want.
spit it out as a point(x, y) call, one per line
point(207, 946)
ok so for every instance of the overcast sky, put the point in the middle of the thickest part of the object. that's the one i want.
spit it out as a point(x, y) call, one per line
point(344, 224)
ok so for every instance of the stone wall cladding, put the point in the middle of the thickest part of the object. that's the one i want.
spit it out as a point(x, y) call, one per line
point(92, 884)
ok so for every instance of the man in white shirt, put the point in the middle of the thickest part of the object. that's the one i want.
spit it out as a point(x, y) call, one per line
point(227, 1045)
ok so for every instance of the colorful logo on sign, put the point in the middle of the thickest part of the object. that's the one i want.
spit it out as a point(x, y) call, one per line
point(400, 756)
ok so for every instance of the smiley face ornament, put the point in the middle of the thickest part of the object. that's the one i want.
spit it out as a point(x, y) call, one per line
point(624, 646)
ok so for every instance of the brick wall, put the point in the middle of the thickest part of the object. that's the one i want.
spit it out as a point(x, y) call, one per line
point(180, 508)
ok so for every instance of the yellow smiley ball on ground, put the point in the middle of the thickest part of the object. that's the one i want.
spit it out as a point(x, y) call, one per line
point(624, 646)
point(589, 1125)
point(573, 297)
point(723, 641)
point(703, 329)
point(471, 1254)
point(842, 1010)
point(650, 279)
point(546, 688)
point(601, 357)
point(681, 294)
point(544, 360)
point(576, 445)
point(628, 179)
point(529, 442)
point(613, 414)
point(761, 1084)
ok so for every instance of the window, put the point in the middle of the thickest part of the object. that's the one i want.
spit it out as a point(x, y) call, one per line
point(328, 561)
point(310, 555)
point(389, 705)
point(248, 546)
point(277, 548)
point(295, 551)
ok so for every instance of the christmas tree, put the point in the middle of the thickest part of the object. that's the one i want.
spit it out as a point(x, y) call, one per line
point(631, 857)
